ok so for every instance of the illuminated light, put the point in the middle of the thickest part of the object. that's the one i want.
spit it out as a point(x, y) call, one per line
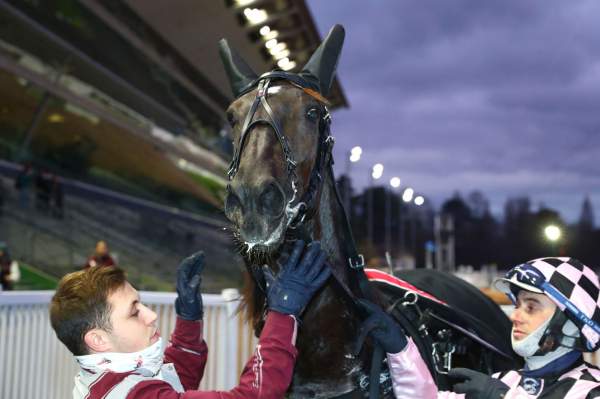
point(267, 33)
point(56, 118)
point(419, 200)
point(355, 154)
point(290, 65)
point(282, 54)
point(271, 35)
point(377, 171)
point(244, 2)
point(395, 182)
point(282, 63)
point(277, 48)
point(255, 15)
point(552, 232)
point(408, 194)
point(271, 43)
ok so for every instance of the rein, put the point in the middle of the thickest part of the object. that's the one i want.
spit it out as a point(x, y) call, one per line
point(305, 207)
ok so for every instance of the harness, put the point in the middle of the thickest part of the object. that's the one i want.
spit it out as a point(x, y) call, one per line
point(299, 210)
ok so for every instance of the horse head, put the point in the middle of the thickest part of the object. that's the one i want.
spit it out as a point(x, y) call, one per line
point(280, 128)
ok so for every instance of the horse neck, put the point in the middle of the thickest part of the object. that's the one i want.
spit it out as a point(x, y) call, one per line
point(329, 228)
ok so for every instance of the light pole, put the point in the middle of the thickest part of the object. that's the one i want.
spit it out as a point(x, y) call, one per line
point(407, 196)
point(376, 173)
point(395, 183)
point(353, 157)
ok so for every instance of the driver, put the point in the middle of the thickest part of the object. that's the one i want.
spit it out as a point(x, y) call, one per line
point(556, 318)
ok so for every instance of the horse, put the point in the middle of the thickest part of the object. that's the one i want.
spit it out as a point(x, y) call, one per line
point(281, 188)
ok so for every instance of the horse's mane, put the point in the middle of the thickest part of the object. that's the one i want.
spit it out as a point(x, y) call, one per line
point(252, 302)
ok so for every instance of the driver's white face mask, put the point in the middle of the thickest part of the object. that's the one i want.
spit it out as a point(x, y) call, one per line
point(527, 346)
point(530, 345)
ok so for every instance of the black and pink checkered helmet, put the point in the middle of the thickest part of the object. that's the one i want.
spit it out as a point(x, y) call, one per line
point(570, 284)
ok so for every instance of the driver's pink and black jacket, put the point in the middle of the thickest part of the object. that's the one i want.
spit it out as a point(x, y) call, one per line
point(266, 375)
point(411, 379)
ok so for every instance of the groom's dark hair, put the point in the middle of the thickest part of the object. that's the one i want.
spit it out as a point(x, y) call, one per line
point(81, 304)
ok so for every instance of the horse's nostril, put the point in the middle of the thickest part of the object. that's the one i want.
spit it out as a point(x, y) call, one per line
point(232, 204)
point(271, 200)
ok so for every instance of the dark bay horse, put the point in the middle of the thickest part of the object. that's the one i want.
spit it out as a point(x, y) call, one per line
point(282, 188)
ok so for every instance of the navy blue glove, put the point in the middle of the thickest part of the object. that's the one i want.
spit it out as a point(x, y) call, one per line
point(478, 385)
point(382, 328)
point(298, 279)
point(188, 304)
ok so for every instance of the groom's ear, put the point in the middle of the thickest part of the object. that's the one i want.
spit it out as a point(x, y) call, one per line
point(97, 341)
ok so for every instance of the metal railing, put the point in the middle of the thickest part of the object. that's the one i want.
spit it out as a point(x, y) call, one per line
point(35, 364)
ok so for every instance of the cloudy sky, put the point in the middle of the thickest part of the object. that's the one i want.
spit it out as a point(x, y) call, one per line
point(501, 96)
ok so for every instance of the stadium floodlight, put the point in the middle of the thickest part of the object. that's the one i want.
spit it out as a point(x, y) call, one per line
point(282, 54)
point(419, 200)
point(408, 194)
point(289, 65)
point(395, 182)
point(269, 44)
point(552, 232)
point(255, 15)
point(278, 47)
point(377, 171)
point(241, 3)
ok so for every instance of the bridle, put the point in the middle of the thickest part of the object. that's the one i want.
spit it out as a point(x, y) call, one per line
point(299, 209)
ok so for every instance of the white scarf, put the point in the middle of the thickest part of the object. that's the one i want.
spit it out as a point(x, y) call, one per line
point(146, 362)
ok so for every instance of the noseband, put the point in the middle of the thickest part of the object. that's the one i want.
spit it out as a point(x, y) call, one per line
point(296, 212)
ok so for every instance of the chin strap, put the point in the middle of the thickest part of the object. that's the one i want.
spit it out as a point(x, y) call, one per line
point(554, 337)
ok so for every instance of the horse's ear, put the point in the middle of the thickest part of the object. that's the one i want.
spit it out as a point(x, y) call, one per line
point(238, 71)
point(323, 62)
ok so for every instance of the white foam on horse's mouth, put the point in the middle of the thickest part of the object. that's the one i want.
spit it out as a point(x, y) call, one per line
point(291, 212)
point(272, 239)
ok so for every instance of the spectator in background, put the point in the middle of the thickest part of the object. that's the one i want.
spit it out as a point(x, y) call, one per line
point(42, 190)
point(56, 197)
point(9, 269)
point(101, 256)
point(23, 185)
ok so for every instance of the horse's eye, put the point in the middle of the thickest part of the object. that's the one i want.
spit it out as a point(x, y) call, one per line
point(312, 114)
point(231, 119)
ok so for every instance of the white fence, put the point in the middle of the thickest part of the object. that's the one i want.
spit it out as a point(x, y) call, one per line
point(35, 364)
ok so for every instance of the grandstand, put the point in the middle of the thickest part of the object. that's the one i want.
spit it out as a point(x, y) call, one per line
point(124, 101)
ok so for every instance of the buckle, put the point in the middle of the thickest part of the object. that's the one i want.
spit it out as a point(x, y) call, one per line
point(360, 264)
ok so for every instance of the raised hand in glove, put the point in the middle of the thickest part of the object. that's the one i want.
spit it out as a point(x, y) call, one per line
point(477, 385)
point(188, 304)
point(382, 328)
point(304, 272)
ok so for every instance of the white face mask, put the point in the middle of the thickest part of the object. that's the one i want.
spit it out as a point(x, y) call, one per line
point(530, 344)
point(527, 346)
